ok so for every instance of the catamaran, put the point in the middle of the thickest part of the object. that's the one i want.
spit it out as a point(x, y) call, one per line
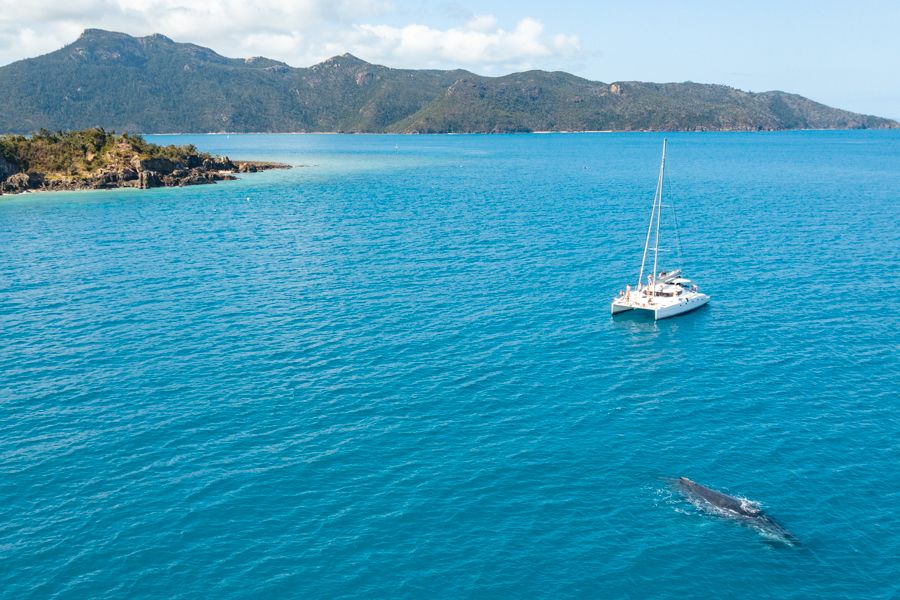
point(664, 293)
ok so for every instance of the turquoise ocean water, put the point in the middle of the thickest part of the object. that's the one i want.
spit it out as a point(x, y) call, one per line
point(392, 373)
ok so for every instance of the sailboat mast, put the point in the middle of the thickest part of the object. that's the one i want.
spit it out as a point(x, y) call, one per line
point(659, 193)
point(654, 214)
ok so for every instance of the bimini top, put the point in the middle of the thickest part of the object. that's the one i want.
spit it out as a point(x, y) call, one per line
point(663, 288)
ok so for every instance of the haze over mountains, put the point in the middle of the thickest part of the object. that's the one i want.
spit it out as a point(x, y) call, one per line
point(152, 84)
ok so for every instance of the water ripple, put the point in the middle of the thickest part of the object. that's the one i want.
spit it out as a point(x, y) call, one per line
point(394, 374)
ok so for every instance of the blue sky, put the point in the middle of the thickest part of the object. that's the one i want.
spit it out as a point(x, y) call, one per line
point(846, 54)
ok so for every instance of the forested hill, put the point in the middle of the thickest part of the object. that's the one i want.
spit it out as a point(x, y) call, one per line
point(152, 84)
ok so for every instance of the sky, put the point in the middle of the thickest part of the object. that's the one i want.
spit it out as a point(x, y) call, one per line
point(843, 53)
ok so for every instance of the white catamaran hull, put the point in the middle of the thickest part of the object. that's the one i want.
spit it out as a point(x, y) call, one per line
point(661, 310)
point(618, 308)
point(686, 305)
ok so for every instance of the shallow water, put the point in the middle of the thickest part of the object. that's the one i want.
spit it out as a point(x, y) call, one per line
point(392, 373)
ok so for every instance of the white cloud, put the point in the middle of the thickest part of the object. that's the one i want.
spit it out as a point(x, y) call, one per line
point(477, 44)
point(299, 32)
point(482, 23)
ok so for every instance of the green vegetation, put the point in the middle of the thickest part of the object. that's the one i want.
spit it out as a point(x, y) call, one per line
point(153, 84)
point(82, 153)
point(94, 158)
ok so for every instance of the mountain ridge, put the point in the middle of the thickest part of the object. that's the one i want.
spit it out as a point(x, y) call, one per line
point(154, 84)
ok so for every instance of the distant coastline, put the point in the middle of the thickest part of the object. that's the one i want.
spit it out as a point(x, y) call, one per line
point(490, 133)
point(112, 79)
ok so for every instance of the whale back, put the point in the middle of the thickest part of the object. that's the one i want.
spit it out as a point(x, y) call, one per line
point(739, 509)
point(718, 499)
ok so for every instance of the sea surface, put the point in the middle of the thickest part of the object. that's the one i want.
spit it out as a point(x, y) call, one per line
point(391, 372)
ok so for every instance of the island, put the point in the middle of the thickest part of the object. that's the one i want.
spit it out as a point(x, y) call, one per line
point(93, 159)
point(155, 84)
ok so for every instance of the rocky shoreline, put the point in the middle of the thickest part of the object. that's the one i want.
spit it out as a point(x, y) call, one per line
point(94, 159)
point(141, 174)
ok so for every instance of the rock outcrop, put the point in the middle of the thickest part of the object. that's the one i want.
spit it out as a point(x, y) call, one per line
point(7, 169)
point(114, 162)
point(22, 182)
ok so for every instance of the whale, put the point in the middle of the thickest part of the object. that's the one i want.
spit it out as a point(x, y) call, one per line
point(738, 509)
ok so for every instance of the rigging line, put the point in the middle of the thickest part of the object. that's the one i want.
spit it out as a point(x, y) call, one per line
point(671, 205)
